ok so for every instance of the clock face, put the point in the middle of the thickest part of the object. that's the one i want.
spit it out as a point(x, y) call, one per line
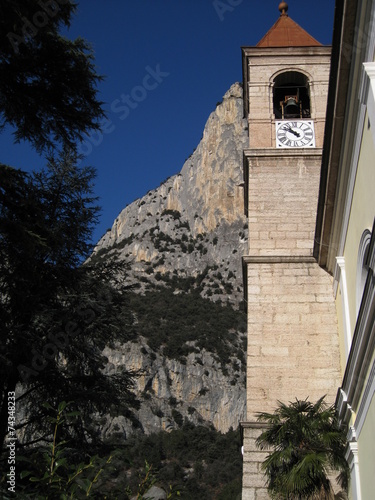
point(295, 134)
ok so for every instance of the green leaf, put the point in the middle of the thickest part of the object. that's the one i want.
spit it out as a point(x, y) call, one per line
point(61, 463)
point(61, 443)
point(62, 406)
point(84, 483)
point(48, 406)
point(73, 414)
point(25, 473)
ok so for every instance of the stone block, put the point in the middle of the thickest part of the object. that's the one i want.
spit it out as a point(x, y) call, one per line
point(287, 227)
point(324, 298)
point(301, 309)
point(262, 494)
point(254, 480)
point(275, 351)
point(253, 350)
point(287, 243)
point(251, 467)
point(292, 318)
point(261, 244)
point(248, 493)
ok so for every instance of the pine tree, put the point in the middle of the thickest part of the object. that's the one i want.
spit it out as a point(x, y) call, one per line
point(48, 83)
point(57, 314)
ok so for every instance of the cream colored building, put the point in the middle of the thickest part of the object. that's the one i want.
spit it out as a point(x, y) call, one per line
point(345, 237)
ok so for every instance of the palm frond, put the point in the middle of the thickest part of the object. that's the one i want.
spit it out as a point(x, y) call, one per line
point(307, 446)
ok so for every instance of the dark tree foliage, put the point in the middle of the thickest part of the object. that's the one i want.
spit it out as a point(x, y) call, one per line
point(197, 461)
point(56, 315)
point(307, 446)
point(47, 82)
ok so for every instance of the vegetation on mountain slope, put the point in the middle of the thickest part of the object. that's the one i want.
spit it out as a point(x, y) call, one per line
point(199, 462)
point(192, 462)
point(177, 320)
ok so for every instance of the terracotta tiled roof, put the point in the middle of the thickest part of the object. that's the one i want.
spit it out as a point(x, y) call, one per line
point(286, 33)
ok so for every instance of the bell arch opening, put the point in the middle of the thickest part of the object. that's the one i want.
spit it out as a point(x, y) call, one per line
point(291, 96)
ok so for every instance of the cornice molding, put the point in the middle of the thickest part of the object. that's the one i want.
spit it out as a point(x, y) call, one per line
point(253, 425)
point(313, 51)
point(282, 153)
point(278, 259)
point(352, 454)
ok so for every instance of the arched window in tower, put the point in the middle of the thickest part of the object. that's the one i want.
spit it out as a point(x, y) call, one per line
point(291, 96)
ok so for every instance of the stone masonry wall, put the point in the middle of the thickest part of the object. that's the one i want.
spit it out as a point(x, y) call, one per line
point(283, 189)
point(293, 349)
point(253, 481)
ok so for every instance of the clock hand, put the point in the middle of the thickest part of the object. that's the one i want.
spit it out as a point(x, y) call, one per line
point(297, 134)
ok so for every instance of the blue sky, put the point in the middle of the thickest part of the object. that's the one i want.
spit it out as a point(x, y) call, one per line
point(166, 65)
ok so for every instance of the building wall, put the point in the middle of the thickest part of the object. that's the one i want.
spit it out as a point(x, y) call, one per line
point(361, 219)
point(282, 194)
point(341, 330)
point(361, 215)
point(293, 345)
point(366, 450)
point(292, 326)
point(253, 480)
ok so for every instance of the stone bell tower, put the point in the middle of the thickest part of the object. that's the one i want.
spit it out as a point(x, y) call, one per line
point(292, 349)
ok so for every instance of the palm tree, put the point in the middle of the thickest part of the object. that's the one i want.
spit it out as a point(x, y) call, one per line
point(308, 446)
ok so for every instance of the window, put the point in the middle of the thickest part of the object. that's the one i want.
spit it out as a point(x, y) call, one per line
point(362, 267)
point(291, 96)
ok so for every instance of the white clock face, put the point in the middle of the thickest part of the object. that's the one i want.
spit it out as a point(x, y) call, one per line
point(295, 134)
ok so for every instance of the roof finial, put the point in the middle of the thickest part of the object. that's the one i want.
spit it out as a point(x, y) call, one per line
point(283, 8)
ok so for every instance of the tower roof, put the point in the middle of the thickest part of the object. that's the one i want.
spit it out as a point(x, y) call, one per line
point(286, 33)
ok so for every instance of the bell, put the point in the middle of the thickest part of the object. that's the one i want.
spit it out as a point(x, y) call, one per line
point(291, 107)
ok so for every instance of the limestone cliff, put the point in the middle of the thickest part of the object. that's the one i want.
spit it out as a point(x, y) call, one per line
point(191, 227)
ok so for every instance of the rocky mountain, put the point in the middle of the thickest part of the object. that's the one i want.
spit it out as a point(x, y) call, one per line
point(181, 246)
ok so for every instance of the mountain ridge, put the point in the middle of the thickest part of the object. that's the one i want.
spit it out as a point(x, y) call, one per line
point(187, 236)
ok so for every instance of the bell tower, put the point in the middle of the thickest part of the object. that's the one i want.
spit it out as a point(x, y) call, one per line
point(292, 349)
point(285, 79)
